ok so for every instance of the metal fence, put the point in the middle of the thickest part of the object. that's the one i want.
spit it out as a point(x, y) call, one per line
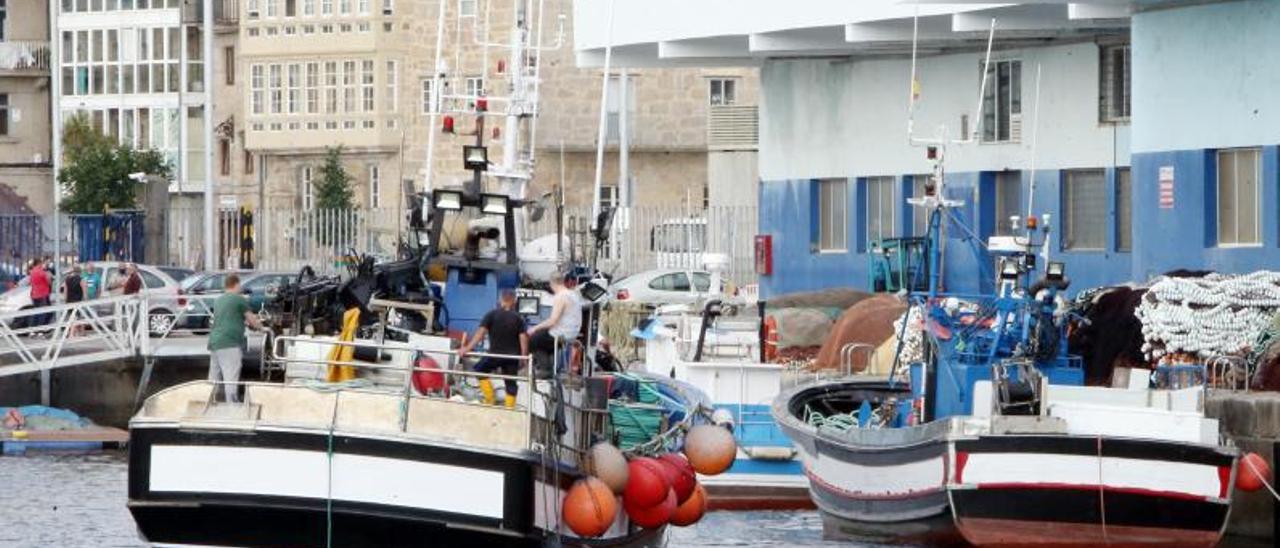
point(649, 237)
point(641, 238)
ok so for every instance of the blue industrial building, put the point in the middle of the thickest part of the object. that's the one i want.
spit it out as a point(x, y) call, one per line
point(1151, 127)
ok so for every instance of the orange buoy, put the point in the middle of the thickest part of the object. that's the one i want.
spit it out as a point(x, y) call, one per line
point(606, 462)
point(711, 449)
point(427, 377)
point(692, 510)
point(590, 507)
point(655, 516)
point(646, 483)
point(1254, 472)
point(680, 475)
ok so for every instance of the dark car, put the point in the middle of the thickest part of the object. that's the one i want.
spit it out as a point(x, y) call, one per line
point(257, 287)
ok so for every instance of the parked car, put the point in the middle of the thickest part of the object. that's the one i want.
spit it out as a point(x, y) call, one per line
point(256, 286)
point(176, 272)
point(663, 286)
point(104, 278)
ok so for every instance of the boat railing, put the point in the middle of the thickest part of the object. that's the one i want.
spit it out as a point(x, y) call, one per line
point(1230, 373)
point(528, 382)
point(850, 350)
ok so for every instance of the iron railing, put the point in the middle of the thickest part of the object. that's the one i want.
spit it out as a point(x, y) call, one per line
point(25, 56)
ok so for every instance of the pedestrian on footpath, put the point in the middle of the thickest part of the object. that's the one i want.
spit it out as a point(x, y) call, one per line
point(226, 338)
point(41, 287)
point(74, 288)
point(505, 328)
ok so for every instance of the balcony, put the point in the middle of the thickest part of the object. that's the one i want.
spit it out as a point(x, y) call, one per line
point(25, 57)
point(225, 12)
point(733, 127)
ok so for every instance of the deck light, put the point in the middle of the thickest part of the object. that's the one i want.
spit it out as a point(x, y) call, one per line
point(527, 306)
point(1056, 270)
point(447, 200)
point(493, 204)
point(475, 157)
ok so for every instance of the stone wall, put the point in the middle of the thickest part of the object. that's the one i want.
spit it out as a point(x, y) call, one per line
point(1252, 421)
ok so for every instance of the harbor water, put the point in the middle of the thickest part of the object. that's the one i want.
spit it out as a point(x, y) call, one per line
point(79, 500)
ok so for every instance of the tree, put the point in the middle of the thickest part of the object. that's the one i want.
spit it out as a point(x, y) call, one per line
point(334, 189)
point(95, 176)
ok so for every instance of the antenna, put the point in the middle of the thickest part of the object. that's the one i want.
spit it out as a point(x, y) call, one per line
point(914, 87)
point(940, 138)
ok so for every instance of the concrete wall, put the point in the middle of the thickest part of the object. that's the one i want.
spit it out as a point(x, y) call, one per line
point(1205, 78)
point(733, 177)
point(847, 119)
point(659, 178)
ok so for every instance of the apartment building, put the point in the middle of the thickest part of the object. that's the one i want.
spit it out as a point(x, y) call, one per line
point(310, 74)
point(136, 68)
point(25, 171)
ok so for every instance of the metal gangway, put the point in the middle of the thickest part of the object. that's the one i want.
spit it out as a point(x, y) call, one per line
point(100, 331)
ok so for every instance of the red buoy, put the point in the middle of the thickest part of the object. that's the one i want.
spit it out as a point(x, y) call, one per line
point(427, 377)
point(654, 516)
point(711, 449)
point(692, 510)
point(590, 507)
point(646, 483)
point(1253, 472)
point(680, 475)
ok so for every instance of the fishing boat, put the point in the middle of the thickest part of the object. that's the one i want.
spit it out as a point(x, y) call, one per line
point(991, 426)
point(718, 351)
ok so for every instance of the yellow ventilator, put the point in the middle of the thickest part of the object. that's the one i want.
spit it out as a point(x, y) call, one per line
point(344, 353)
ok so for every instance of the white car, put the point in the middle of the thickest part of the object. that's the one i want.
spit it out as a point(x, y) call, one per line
point(664, 286)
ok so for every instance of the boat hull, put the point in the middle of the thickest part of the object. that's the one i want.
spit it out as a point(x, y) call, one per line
point(1089, 490)
point(276, 487)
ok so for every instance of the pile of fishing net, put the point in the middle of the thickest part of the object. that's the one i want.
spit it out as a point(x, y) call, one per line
point(1216, 315)
point(869, 322)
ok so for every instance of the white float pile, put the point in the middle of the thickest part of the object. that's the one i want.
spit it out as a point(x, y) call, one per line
point(913, 338)
point(1210, 316)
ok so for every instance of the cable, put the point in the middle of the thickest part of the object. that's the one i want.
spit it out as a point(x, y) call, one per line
point(1261, 478)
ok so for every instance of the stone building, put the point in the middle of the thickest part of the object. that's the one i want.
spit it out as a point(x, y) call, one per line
point(25, 170)
point(310, 74)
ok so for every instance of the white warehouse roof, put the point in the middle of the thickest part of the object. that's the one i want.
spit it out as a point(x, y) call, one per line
point(652, 33)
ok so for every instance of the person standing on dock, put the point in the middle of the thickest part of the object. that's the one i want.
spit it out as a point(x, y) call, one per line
point(133, 280)
point(41, 287)
point(564, 323)
point(505, 328)
point(74, 288)
point(226, 338)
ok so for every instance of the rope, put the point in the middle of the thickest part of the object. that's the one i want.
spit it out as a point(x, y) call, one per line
point(1102, 496)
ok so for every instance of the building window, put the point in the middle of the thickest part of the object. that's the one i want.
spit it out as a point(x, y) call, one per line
point(466, 8)
point(1114, 95)
point(295, 88)
point(388, 7)
point(326, 7)
point(248, 163)
point(474, 87)
point(277, 89)
point(1002, 102)
point(1084, 199)
point(366, 84)
point(1008, 201)
point(1124, 215)
point(308, 7)
point(313, 88)
point(4, 113)
point(229, 64)
point(882, 209)
point(331, 87)
point(723, 91)
point(428, 85)
point(273, 8)
point(1239, 196)
point(349, 87)
point(307, 198)
point(393, 80)
point(3, 17)
point(919, 215)
point(290, 8)
point(613, 123)
point(363, 7)
point(344, 7)
point(224, 156)
point(255, 89)
point(833, 214)
point(375, 187)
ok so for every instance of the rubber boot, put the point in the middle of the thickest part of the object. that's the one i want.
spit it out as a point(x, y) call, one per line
point(510, 401)
point(486, 387)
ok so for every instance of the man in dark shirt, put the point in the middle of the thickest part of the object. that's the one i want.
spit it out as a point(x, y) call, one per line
point(506, 330)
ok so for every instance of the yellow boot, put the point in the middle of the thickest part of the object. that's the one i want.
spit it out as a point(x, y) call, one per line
point(486, 388)
point(510, 401)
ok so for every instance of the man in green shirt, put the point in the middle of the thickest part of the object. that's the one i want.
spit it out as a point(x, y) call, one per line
point(226, 337)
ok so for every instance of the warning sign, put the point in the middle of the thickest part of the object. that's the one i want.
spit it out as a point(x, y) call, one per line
point(1166, 187)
